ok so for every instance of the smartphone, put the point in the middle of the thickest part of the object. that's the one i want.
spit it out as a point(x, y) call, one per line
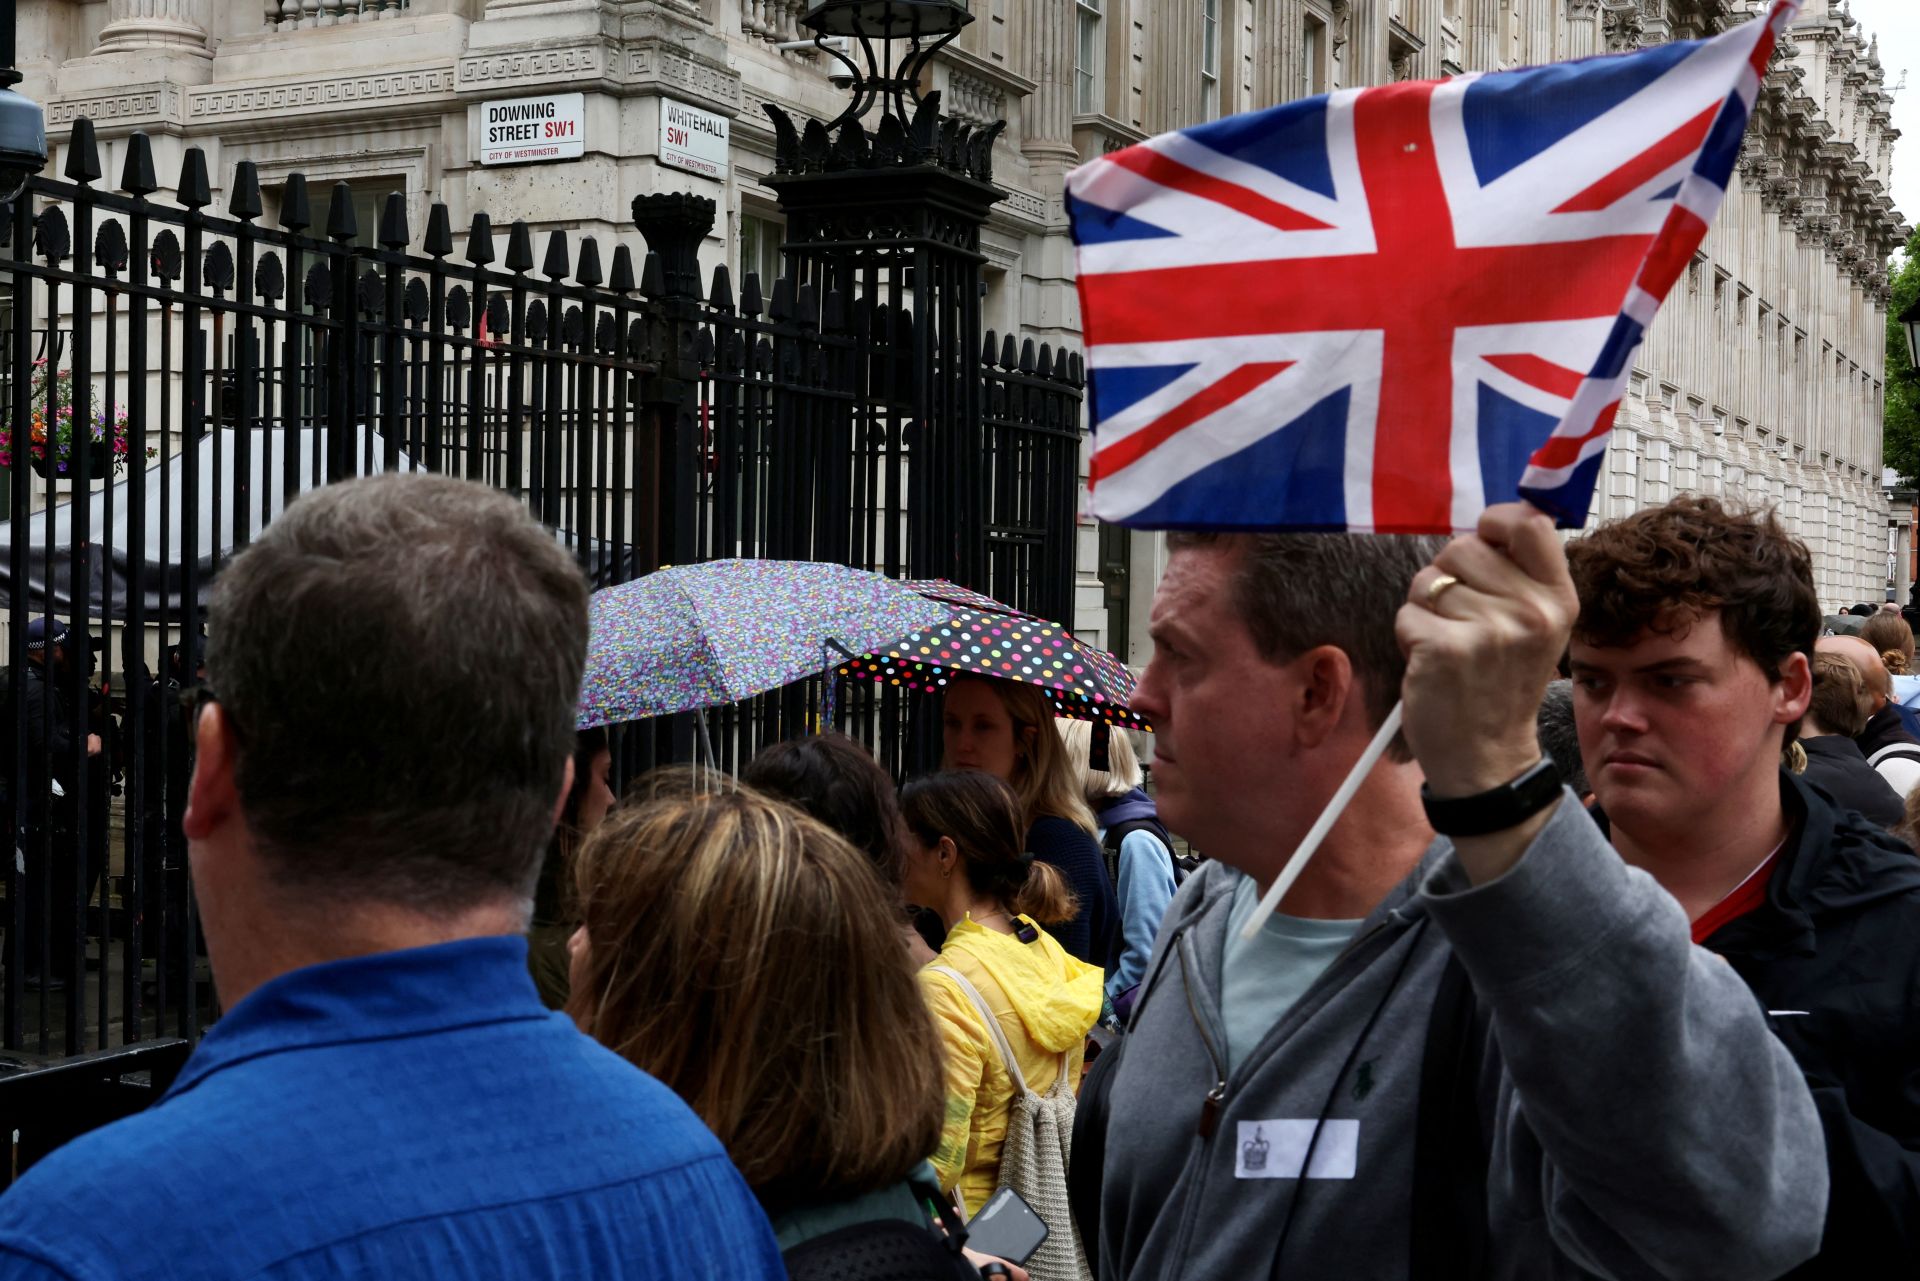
point(1007, 1228)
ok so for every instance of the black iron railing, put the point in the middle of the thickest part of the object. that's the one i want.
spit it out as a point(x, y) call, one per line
point(211, 367)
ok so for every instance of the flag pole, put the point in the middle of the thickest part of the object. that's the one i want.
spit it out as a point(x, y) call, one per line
point(1328, 817)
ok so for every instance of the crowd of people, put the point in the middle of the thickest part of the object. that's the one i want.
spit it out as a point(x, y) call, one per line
point(1609, 969)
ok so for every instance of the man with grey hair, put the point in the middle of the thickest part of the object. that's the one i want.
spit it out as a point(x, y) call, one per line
point(1492, 1053)
point(385, 739)
point(1560, 737)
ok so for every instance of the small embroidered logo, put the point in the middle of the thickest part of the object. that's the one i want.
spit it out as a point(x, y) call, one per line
point(1253, 1153)
point(1363, 1081)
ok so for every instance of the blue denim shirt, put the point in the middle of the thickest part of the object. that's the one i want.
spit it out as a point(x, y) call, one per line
point(411, 1114)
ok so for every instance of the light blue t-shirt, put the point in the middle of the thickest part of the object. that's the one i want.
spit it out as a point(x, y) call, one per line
point(1261, 977)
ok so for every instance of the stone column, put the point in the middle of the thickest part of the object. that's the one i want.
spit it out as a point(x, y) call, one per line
point(1048, 139)
point(171, 26)
point(1367, 47)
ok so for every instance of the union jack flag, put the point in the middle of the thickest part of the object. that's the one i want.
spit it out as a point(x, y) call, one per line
point(1385, 309)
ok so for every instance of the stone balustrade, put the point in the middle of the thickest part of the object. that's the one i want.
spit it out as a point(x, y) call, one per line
point(287, 15)
point(774, 21)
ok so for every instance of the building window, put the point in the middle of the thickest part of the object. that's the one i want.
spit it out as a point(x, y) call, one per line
point(1313, 54)
point(1209, 59)
point(1088, 57)
point(367, 200)
point(760, 240)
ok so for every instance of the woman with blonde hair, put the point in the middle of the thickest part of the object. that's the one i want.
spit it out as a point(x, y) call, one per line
point(965, 861)
point(1006, 729)
point(1137, 849)
point(749, 959)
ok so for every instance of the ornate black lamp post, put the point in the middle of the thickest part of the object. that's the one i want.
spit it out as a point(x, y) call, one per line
point(891, 77)
point(883, 231)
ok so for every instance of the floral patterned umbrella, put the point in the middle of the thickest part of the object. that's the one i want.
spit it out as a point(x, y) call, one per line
point(1081, 681)
point(695, 636)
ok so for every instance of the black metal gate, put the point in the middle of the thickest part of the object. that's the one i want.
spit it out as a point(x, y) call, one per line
point(172, 375)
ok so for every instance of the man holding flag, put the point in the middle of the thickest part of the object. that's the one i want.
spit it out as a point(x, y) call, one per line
point(1392, 311)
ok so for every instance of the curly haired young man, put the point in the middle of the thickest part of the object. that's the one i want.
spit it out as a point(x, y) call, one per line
point(1690, 659)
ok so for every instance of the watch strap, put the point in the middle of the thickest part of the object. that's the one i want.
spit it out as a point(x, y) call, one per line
point(1508, 805)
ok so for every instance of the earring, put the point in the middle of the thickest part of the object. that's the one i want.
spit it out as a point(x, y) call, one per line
point(946, 873)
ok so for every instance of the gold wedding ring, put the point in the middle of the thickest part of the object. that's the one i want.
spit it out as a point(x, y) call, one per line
point(1436, 587)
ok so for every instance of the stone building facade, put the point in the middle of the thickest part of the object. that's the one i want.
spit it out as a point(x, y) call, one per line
point(1761, 380)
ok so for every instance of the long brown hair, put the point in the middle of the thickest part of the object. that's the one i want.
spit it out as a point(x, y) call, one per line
point(749, 958)
point(1043, 779)
point(1890, 634)
point(981, 816)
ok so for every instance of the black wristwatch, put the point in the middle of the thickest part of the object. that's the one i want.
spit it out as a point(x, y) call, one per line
point(1506, 806)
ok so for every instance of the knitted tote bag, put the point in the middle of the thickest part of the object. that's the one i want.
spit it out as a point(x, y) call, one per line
point(1038, 1150)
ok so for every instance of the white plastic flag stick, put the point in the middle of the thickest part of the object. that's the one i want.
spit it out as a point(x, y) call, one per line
point(1324, 824)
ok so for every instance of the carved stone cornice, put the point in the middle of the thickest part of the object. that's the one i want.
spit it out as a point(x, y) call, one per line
point(147, 106)
point(642, 68)
point(525, 69)
point(656, 68)
point(375, 91)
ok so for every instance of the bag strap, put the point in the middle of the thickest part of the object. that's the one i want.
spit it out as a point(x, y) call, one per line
point(993, 1028)
point(993, 1025)
point(1117, 835)
point(1895, 751)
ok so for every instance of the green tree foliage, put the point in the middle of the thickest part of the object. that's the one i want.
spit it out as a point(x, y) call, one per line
point(1901, 426)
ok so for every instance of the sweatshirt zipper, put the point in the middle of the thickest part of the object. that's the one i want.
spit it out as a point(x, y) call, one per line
point(1210, 1105)
point(1215, 1100)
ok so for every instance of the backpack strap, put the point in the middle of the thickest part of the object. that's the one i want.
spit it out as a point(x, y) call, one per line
point(994, 1030)
point(1119, 832)
point(1895, 752)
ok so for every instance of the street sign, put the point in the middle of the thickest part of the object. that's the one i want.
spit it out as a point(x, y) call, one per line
point(693, 139)
point(517, 131)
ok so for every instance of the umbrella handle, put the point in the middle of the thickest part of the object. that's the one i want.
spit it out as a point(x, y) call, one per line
point(706, 742)
point(829, 703)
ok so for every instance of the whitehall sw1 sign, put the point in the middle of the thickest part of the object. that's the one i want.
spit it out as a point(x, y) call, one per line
point(693, 139)
point(516, 131)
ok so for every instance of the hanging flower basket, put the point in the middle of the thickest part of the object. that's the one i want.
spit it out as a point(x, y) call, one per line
point(100, 464)
point(52, 446)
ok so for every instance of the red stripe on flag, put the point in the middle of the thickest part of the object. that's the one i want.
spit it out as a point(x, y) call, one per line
point(1564, 451)
point(1763, 50)
point(1536, 371)
point(1671, 252)
point(1168, 172)
point(1129, 450)
point(1645, 167)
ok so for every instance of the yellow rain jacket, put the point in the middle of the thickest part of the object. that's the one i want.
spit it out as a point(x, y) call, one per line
point(1046, 1001)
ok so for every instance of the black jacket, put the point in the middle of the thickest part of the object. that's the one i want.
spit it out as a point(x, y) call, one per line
point(1884, 729)
point(50, 737)
point(1837, 767)
point(1834, 956)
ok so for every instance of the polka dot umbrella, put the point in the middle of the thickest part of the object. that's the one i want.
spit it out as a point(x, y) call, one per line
point(696, 636)
point(1081, 681)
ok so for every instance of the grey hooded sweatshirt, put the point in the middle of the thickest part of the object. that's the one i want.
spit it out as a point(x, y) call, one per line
point(1641, 1119)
